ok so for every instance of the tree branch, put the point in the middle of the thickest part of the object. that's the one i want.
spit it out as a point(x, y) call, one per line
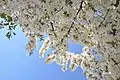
point(53, 29)
point(80, 7)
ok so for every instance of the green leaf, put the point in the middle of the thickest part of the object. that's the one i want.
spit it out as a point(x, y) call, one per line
point(23, 30)
point(3, 15)
point(14, 27)
point(41, 39)
point(8, 35)
point(14, 33)
point(10, 27)
point(9, 18)
point(11, 23)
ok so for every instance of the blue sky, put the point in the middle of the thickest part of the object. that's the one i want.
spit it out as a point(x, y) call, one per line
point(16, 65)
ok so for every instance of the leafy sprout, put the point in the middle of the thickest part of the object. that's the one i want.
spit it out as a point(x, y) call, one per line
point(7, 22)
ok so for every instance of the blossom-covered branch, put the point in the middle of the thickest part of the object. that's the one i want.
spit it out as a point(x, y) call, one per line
point(93, 23)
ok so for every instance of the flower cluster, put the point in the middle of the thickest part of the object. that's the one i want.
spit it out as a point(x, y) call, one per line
point(93, 23)
point(31, 43)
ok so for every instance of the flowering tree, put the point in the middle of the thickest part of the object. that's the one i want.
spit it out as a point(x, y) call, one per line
point(93, 23)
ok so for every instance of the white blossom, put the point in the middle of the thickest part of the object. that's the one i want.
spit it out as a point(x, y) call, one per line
point(93, 23)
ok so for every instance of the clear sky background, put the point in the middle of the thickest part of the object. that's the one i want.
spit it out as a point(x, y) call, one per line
point(16, 65)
